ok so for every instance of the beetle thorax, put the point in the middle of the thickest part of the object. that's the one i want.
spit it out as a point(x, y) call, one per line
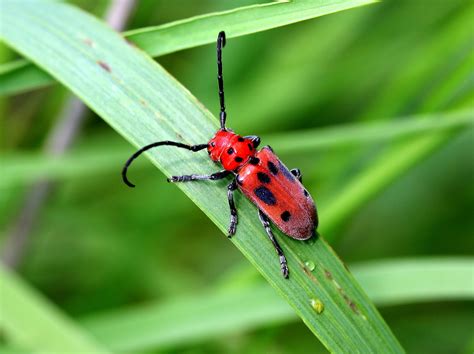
point(230, 149)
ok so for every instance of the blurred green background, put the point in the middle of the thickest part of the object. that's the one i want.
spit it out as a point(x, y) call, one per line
point(97, 246)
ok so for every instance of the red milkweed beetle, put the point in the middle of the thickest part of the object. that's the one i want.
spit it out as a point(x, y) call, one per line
point(258, 174)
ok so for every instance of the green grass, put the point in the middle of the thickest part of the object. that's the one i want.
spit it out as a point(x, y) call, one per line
point(122, 95)
point(32, 322)
point(373, 104)
point(219, 312)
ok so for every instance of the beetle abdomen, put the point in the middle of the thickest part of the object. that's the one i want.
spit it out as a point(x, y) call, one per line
point(268, 183)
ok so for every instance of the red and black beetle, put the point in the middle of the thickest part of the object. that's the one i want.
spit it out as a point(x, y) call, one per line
point(258, 174)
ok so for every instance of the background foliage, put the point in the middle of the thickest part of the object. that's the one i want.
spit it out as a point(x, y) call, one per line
point(98, 248)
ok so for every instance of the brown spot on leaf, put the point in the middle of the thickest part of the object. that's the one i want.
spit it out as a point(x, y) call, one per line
point(349, 302)
point(308, 272)
point(88, 42)
point(104, 66)
point(352, 305)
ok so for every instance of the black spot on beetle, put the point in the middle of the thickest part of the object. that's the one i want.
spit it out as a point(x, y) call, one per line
point(263, 177)
point(240, 139)
point(254, 160)
point(285, 216)
point(230, 151)
point(264, 194)
point(250, 146)
point(273, 169)
point(238, 159)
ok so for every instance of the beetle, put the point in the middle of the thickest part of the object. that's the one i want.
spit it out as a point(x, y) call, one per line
point(277, 191)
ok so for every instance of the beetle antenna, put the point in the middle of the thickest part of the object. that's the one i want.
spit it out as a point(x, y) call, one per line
point(220, 78)
point(192, 148)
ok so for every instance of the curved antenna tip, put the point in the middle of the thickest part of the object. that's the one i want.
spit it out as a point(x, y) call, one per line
point(125, 179)
point(128, 183)
point(221, 38)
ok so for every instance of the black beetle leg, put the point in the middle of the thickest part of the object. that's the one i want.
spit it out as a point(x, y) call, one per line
point(266, 224)
point(187, 178)
point(233, 210)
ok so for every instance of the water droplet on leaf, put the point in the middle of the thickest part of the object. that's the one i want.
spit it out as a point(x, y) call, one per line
point(317, 305)
point(310, 265)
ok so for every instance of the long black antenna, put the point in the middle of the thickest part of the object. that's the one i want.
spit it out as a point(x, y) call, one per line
point(150, 146)
point(220, 78)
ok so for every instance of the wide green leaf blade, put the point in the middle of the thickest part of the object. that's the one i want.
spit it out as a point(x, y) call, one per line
point(144, 104)
point(22, 75)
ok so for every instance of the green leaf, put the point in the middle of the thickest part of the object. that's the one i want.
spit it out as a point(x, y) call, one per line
point(144, 103)
point(182, 321)
point(200, 30)
point(395, 282)
point(31, 321)
point(22, 75)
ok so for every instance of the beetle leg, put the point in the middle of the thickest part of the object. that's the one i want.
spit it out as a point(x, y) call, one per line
point(187, 178)
point(266, 224)
point(297, 173)
point(233, 210)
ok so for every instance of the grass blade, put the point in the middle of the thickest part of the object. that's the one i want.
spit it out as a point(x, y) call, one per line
point(187, 320)
point(22, 75)
point(383, 171)
point(365, 133)
point(31, 321)
point(395, 282)
point(22, 168)
point(144, 103)
point(200, 30)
